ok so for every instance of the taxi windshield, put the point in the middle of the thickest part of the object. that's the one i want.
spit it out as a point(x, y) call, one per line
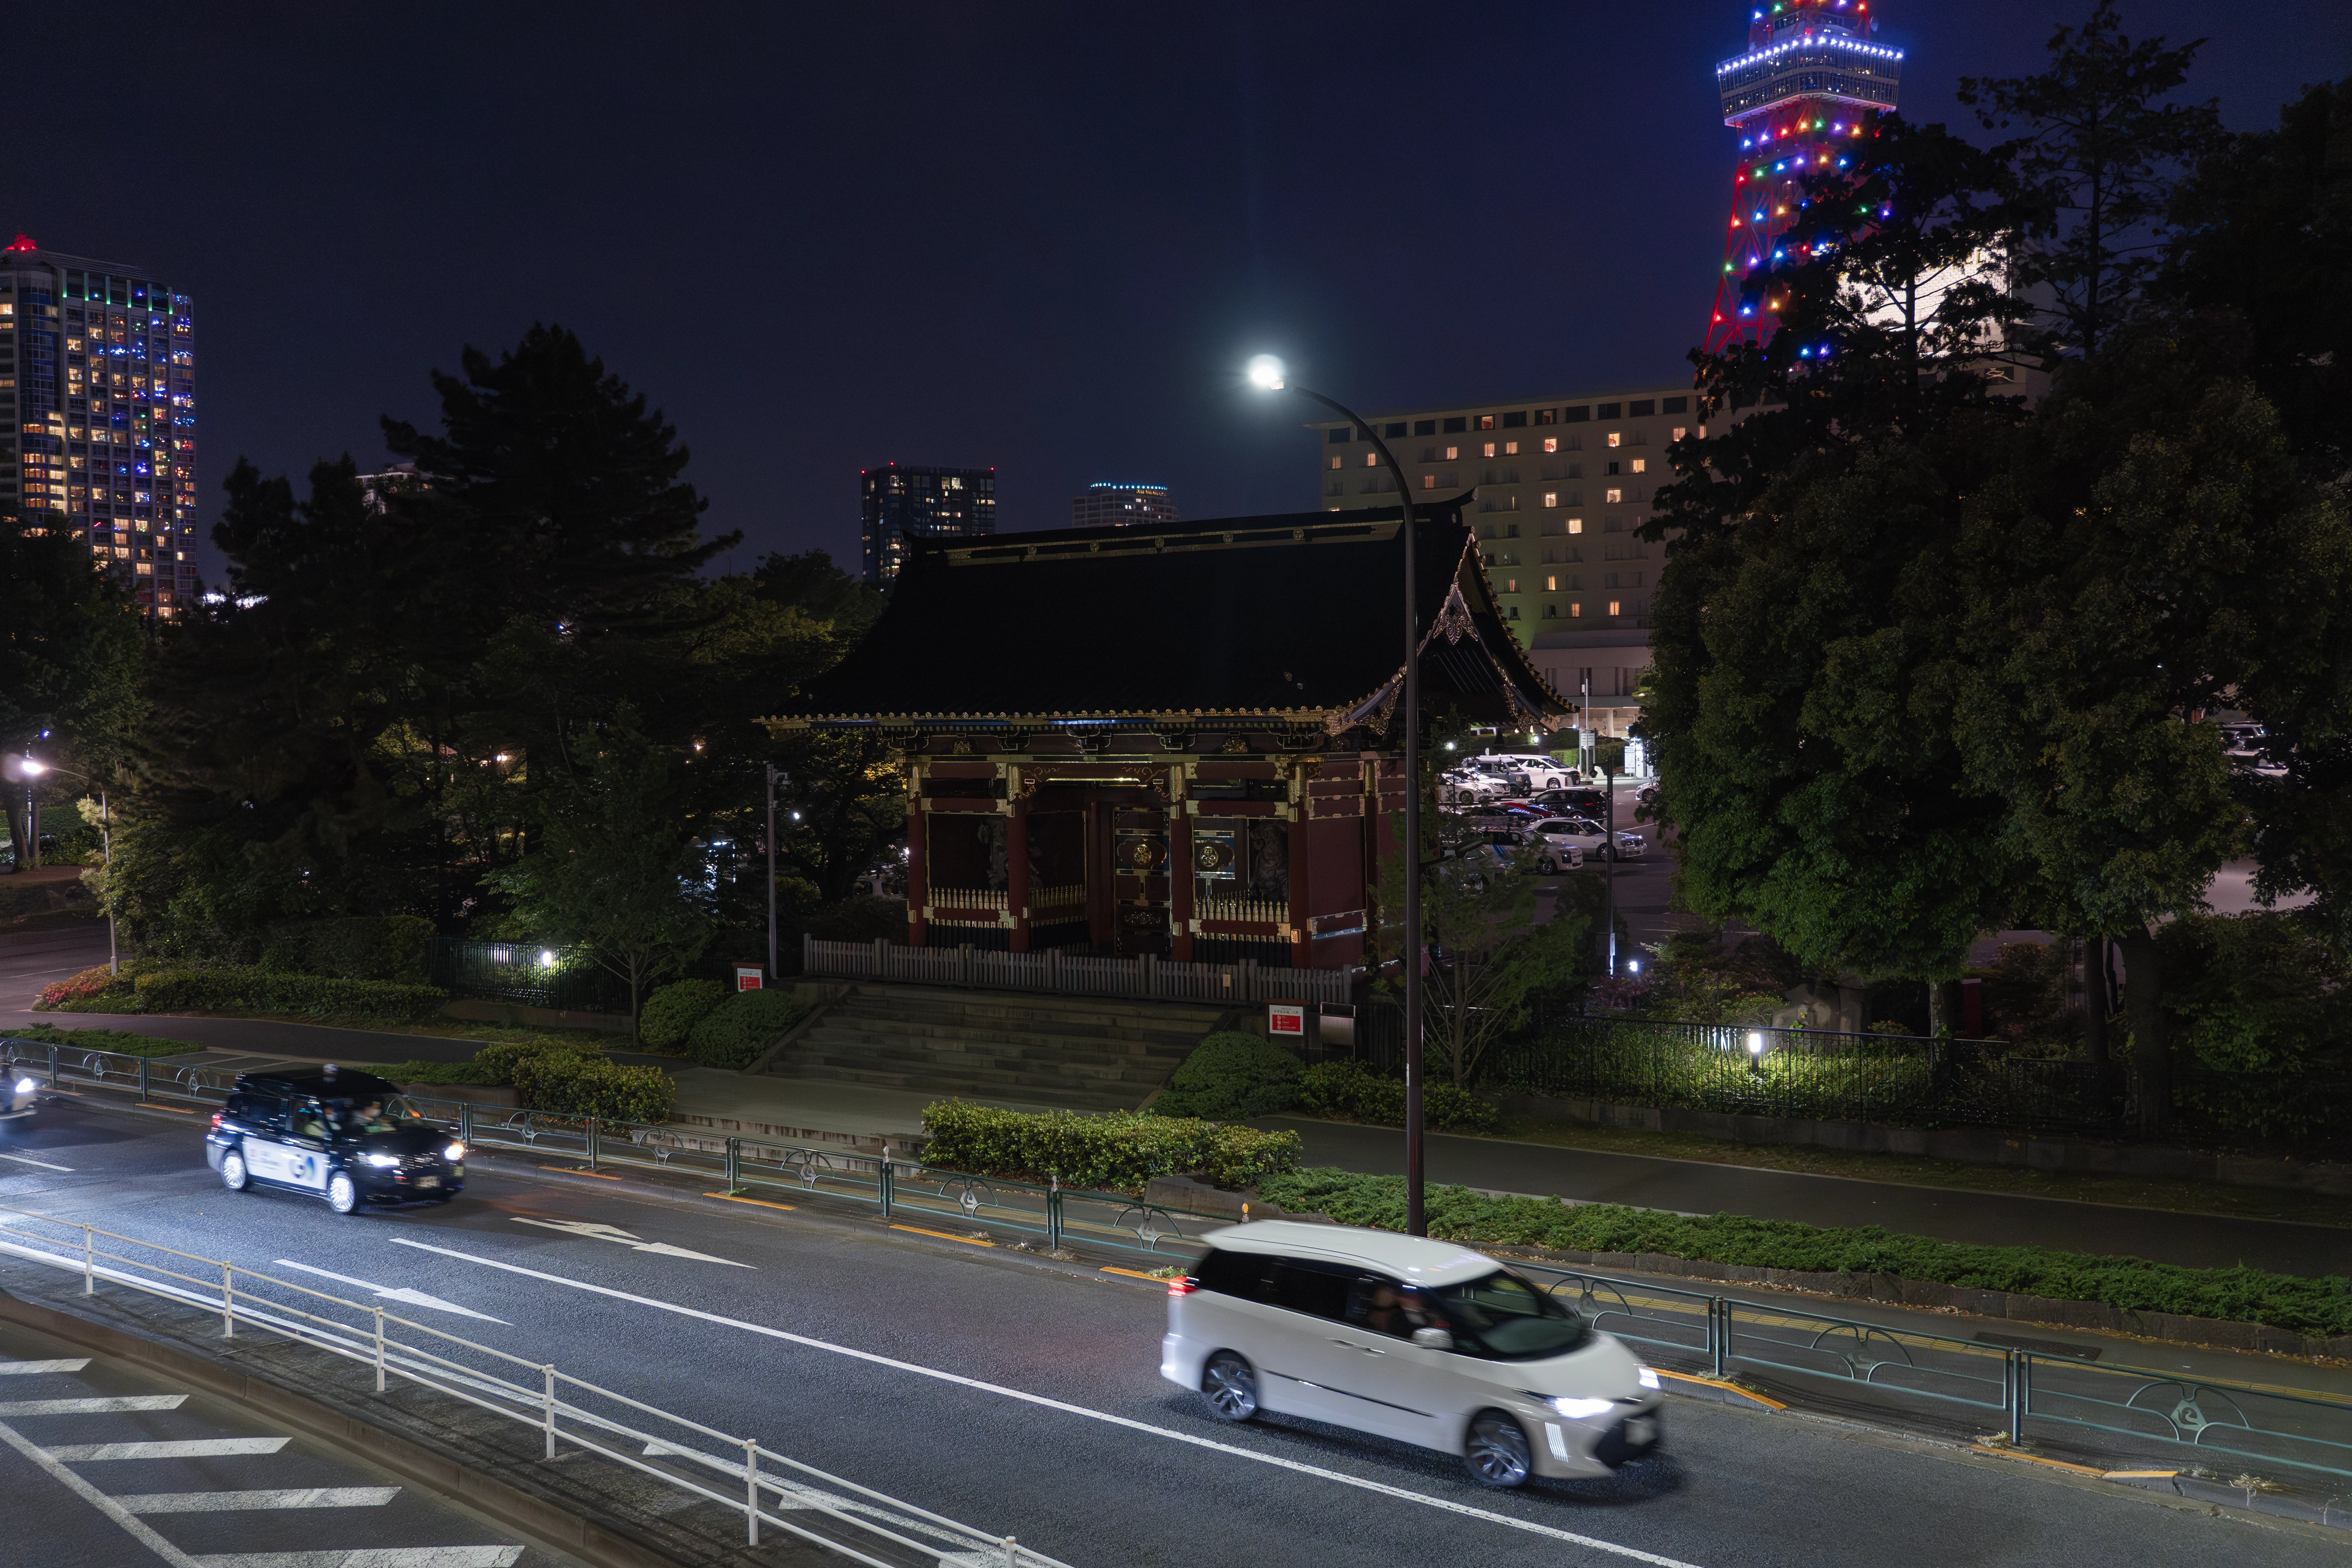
point(390, 1114)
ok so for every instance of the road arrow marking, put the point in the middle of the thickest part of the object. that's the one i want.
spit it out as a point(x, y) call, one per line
point(44, 1165)
point(402, 1294)
point(594, 1232)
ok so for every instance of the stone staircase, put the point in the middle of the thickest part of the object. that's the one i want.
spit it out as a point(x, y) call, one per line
point(1075, 1053)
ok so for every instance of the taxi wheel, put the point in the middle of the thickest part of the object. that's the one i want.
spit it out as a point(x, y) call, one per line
point(233, 1174)
point(343, 1193)
point(1496, 1453)
point(1231, 1387)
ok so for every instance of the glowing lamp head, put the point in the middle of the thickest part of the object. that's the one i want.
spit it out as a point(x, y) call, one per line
point(1635, 965)
point(1265, 374)
point(32, 768)
point(546, 958)
point(1756, 1044)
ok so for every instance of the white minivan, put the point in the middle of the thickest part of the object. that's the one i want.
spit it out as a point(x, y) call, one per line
point(1421, 1341)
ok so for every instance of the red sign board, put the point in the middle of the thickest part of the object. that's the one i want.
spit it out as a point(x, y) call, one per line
point(748, 977)
point(1286, 1019)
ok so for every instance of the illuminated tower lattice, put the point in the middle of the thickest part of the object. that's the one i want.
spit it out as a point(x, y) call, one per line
point(1810, 84)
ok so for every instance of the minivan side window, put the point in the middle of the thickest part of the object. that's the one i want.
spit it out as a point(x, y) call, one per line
point(1234, 1274)
point(1317, 1289)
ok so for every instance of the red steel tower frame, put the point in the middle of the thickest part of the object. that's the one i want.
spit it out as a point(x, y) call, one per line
point(1810, 84)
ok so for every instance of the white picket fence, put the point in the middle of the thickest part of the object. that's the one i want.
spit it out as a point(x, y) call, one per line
point(1068, 974)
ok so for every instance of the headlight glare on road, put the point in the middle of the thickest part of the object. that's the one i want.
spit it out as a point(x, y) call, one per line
point(26, 1086)
point(454, 1151)
point(1578, 1409)
point(1649, 1377)
point(383, 1159)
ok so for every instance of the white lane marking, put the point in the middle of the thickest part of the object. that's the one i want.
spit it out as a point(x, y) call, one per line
point(96, 1500)
point(1299, 1467)
point(92, 1407)
point(391, 1293)
point(236, 1502)
point(181, 1449)
point(368, 1557)
point(44, 1165)
point(26, 1368)
point(596, 1232)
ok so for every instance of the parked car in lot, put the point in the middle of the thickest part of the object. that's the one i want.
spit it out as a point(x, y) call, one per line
point(1403, 1337)
point(1588, 838)
point(1539, 772)
point(348, 1137)
point(1464, 787)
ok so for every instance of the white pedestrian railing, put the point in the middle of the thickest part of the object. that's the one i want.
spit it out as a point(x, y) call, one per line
point(1144, 978)
point(754, 1481)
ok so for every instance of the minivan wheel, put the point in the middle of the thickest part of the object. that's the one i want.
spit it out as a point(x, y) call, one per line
point(342, 1194)
point(1496, 1452)
point(1231, 1385)
point(233, 1174)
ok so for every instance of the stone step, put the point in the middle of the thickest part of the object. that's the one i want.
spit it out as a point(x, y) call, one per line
point(825, 1056)
point(948, 1035)
point(1029, 1023)
point(977, 1001)
point(1042, 1090)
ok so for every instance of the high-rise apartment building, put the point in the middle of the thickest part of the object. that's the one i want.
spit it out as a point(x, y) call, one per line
point(1562, 486)
point(98, 400)
point(1110, 504)
point(898, 503)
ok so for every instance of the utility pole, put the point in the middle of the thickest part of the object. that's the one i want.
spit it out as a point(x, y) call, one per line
point(772, 776)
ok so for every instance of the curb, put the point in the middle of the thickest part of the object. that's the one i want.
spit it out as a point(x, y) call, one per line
point(599, 1543)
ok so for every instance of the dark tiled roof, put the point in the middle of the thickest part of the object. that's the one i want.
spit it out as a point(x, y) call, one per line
point(1292, 619)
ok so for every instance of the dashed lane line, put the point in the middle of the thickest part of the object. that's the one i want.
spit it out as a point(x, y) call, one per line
point(1297, 1467)
point(238, 1502)
point(44, 1165)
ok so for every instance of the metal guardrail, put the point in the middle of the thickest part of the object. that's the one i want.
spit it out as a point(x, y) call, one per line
point(1709, 1334)
point(758, 1482)
point(2154, 1412)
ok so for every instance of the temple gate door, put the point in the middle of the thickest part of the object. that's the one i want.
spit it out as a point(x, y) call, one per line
point(1139, 882)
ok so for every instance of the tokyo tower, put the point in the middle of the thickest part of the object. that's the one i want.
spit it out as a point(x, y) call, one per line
point(1810, 83)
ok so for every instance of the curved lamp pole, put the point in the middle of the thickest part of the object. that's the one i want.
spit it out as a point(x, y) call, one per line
point(106, 834)
point(1266, 373)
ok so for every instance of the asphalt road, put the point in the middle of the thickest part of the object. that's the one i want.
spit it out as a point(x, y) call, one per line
point(1689, 1186)
point(30, 959)
point(926, 1368)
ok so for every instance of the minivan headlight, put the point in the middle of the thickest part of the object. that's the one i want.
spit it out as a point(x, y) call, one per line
point(27, 1086)
point(454, 1151)
point(1576, 1409)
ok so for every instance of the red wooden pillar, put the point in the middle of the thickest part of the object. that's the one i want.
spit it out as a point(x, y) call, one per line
point(1300, 947)
point(917, 883)
point(1181, 880)
point(1016, 868)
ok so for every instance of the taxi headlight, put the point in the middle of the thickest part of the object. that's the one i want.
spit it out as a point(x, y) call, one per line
point(1649, 1377)
point(454, 1151)
point(1578, 1409)
point(382, 1159)
point(27, 1086)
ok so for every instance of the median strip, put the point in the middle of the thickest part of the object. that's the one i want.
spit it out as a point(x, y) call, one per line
point(944, 1235)
point(763, 1202)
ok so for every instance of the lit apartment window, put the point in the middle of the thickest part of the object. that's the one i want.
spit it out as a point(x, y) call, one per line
point(1680, 431)
point(1486, 422)
point(1335, 462)
point(1576, 609)
point(1551, 584)
point(1551, 498)
point(1487, 450)
point(1613, 605)
point(1452, 453)
point(1510, 449)
point(1641, 465)
point(1616, 439)
point(1429, 481)
point(1371, 459)
point(1616, 498)
point(1510, 584)
point(1576, 525)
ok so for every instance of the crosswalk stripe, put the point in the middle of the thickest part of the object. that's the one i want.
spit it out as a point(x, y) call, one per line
point(172, 1556)
point(28, 1368)
point(92, 1407)
point(370, 1557)
point(186, 1448)
point(233, 1502)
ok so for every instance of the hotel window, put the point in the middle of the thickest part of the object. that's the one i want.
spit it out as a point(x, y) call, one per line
point(1576, 525)
point(1576, 609)
point(1510, 449)
point(1547, 416)
point(1486, 422)
point(1551, 443)
point(1510, 584)
point(1551, 498)
point(1616, 498)
point(1551, 612)
point(1429, 481)
point(1456, 424)
point(1680, 431)
point(1452, 453)
point(1488, 449)
point(1335, 461)
point(1616, 439)
point(1514, 613)
point(1613, 607)
point(1371, 459)
point(1674, 405)
point(1425, 426)
point(1641, 465)
point(1551, 584)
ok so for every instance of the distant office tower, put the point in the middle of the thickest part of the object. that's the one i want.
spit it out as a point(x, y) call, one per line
point(376, 489)
point(1107, 504)
point(98, 400)
point(899, 504)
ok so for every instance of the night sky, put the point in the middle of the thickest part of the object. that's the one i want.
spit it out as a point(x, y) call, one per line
point(1040, 237)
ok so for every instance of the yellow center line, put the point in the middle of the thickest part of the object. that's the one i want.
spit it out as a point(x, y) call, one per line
point(174, 1109)
point(2141, 1475)
point(579, 1171)
point(1717, 1383)
point(763, 1202)
point(944, 1235)
point(1133, 1274)
point(2038, 1459)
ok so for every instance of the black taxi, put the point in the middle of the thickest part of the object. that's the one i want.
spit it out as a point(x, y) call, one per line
point(348, 1137)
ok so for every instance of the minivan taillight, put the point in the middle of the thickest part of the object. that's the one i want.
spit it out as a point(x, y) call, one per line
point(217, 1120)
point(1183, 1286)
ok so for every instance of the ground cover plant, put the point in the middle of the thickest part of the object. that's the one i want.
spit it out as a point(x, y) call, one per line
point(120, 1041)
point(2309, 1306)
point(1353, 1090)
point(1230, 1075)
point(735, 1032)
point(1119, 1150)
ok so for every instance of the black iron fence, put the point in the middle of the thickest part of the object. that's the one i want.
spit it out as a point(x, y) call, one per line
point(527, 974)
point(1894, 1079)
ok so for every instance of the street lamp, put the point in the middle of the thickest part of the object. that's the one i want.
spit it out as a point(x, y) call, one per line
point(106, 835)
point(1267, 373)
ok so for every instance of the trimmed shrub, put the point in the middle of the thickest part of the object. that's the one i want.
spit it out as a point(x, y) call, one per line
point(1121, 1150)
point(2309, 1306)
point(1229, 1075)
point(736, 1031)
point(392, 948)
point(583, 1084)
point(671, 1013)
point(472, 1072)
point(121, 1042)
point(259, 991)
point(1353, 1089)
point(89, 985)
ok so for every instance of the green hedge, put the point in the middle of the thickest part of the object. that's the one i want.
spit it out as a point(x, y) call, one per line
point(120, 1041)
point(580, 1084)
point(472, 1072)
point(1229, 1075)
point(2317, 1306)
point(742, 1027)
point(394, 948)
point(1121, 1150)
point(260, 991)
point(1352, 1090)
point(671, 1013)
